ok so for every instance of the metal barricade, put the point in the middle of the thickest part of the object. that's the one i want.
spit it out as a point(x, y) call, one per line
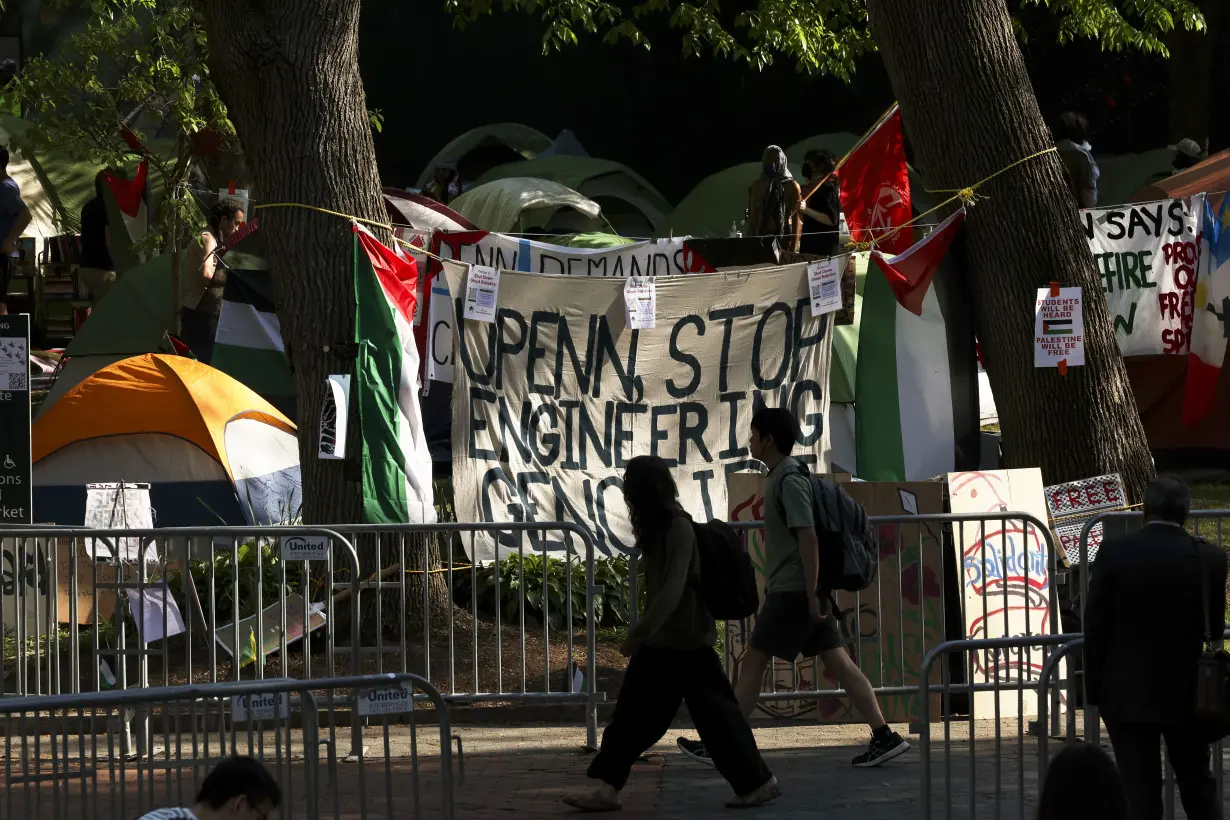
point(542, 586)
point(1025, 780)
point(912, 589)
point(62, 760)
point(91, 609)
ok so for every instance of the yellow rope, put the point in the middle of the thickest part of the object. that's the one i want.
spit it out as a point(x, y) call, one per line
point(966, 196)
point(388, 227)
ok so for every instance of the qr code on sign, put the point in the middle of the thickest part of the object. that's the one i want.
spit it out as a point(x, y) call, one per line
point(473, 295)
point(16, 381)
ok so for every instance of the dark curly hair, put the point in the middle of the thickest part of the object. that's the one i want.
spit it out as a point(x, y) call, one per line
point(651, 495)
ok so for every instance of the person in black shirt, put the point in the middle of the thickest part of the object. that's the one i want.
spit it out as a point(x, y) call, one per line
point(822, 211)
point(96, 271)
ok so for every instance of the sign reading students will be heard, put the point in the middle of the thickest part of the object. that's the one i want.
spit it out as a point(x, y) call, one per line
point(553, 399)
point(1147, 259)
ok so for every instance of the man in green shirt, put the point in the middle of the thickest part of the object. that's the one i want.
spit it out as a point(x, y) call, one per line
point(796, 617)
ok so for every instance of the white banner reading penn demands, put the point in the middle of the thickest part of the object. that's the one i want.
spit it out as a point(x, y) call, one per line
point(552, 400)
point(1147, 259)
point(658, 257)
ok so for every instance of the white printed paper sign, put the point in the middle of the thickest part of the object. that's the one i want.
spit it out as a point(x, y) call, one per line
point(1059, 329)
point(388, 700)
point(659, 257)
point(482, 292)
point(824, 283)
point(640, 302)
point(552, 400)
point(245, 708)
point(1146, 257)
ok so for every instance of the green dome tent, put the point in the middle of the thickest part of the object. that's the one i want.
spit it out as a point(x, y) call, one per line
point(631, 205)
point(518, 204)
point(481, 149)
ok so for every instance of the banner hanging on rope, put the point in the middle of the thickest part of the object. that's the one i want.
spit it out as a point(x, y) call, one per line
point(553, 399)
point(1147, 259)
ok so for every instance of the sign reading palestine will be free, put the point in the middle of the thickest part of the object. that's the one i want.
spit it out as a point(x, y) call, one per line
point(16, 502)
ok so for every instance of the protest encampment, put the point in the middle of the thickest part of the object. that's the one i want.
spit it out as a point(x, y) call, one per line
point(386, 432)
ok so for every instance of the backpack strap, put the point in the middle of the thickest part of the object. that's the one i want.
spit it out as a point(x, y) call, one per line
point(801, 469)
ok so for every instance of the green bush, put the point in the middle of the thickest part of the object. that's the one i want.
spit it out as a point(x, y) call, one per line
point(225, 576)
point(610, 608)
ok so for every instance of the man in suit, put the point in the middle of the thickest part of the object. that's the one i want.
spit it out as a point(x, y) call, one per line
point(1145, 624)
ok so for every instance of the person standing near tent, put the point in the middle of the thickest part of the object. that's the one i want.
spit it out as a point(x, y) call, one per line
point(14, 218)
point(774, 203)
point(96, 270)
point(445, 184)
point(821, 213)
point(202, 282)
point(1071, 134)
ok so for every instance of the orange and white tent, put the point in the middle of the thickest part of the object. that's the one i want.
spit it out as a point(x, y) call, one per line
point(213, 451)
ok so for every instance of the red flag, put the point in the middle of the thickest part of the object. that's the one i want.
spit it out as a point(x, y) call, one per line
point(128, 194)
point(909, 274)
point(875, 189)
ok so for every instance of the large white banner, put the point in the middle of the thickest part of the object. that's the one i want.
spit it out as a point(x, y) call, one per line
point(1147, 256)
point(658, 257)
point(552, 400)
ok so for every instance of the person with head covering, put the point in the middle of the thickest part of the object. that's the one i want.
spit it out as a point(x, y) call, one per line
point(445, 184)
point(1187, 154)
point(774, 203)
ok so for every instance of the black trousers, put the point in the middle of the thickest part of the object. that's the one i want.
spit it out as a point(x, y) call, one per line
point(1138, 754)
point(655, 683)
point(198, 328)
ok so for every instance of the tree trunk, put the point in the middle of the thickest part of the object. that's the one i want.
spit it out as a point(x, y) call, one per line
point(970, 111)
point(288, 72)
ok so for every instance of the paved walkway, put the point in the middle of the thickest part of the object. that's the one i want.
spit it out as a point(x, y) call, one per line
point(511, 774)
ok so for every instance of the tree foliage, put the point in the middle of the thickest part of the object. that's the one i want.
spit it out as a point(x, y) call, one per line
point(819, 36)
point(136, 65)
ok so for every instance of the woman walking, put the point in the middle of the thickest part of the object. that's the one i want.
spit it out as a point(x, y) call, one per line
point(672, 658)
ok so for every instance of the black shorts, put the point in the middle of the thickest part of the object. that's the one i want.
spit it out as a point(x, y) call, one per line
point(785, 630)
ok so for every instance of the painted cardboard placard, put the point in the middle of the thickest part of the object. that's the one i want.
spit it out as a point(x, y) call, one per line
point(1074, 503)
point(1004, 571)
point(894, 623)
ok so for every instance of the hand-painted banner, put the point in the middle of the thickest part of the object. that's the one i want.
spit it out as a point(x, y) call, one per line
point(659, 257)
point(1146, 257)
point(552, 400)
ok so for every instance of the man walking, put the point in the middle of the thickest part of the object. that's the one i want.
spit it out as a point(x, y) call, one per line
point(796, 617)
point(1153, 597)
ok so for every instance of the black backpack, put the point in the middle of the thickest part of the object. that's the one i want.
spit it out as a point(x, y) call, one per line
point(849, 544)
point(727, 577)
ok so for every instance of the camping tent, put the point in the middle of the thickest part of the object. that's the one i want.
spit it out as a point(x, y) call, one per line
point(631, 205)
point(1210, 176)
point(132, 319)
point(565, 145)
point(481, 149)
point(212, 451)
point(521, 203)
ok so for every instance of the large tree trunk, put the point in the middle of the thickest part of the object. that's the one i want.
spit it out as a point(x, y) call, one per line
point(288, 71)
point(969, 110)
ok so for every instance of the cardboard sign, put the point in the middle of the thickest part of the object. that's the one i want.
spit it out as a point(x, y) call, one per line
point(1074, 503)
point(1005, 579)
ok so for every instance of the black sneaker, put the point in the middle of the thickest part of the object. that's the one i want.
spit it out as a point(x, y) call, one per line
point(695, 750)
point(880, 751)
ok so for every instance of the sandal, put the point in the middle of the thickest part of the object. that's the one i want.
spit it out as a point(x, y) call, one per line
point(591, 802)
point(758, 797)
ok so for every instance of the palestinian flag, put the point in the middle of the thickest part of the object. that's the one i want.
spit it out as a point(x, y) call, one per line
point(248, 342)
point(910, 366)
point(1056, 327)
point(126, 205)
point(396, 463)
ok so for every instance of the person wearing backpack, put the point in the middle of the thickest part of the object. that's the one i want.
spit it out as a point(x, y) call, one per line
point(672, 658)
point(796, 617)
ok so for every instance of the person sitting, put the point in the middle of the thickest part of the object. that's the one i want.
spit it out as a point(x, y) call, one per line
point(239, 788)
